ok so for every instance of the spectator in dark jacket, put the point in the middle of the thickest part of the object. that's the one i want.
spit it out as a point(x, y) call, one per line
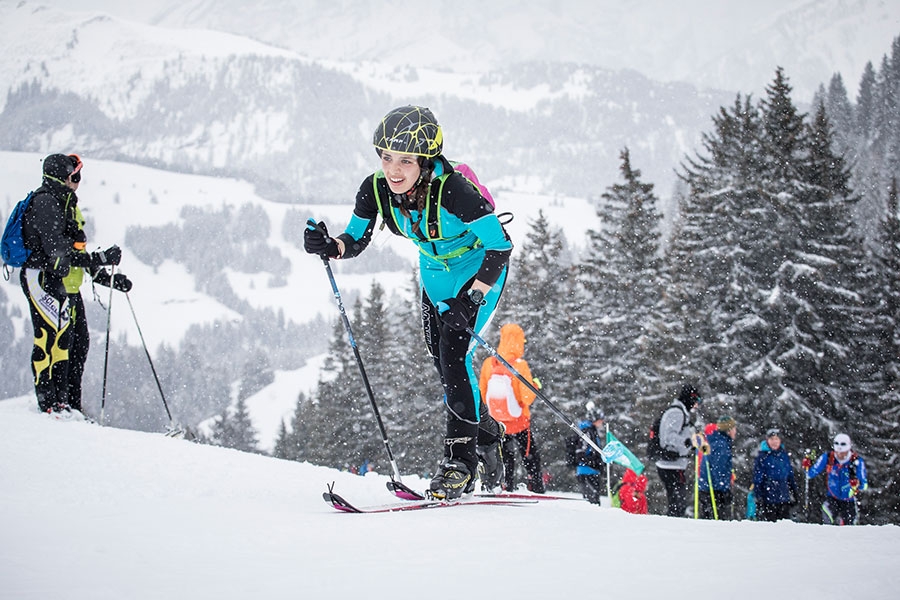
point(717, 468)
point(590, 470)
point(53, 231)
point(773, 480)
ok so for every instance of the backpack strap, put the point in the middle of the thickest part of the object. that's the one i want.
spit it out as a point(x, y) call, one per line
point(385, 207)
point(851, 464)
point(432, 215)
point(432, 218)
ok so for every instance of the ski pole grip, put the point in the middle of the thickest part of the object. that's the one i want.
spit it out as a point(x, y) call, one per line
point(311, 223)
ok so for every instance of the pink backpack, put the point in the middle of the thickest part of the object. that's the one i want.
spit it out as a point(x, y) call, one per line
point(467, 172)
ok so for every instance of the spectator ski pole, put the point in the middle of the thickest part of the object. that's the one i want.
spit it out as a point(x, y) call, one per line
point(395, 485)
point(808, 456)
point(712, 494)
point(806, 489)
point(172, 430)
point(696, 485)
point(112, 276)
point(536, 391)
point(701, 446)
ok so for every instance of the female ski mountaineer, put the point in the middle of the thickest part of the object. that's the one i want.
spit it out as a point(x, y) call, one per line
point(463, 257)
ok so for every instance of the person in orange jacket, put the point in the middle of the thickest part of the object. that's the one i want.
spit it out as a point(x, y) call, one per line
point(509, 401)
point(631, 494)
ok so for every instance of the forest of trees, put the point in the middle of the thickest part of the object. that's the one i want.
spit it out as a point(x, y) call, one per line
point(776, 294)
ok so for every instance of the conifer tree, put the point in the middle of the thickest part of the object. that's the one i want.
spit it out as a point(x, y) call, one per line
point(415, 415)
point(880, 422)
point(720, 258)
point(621, 275)
point(293, 441)
point(841, 115)
point(338, 401)
point(535, 294)
point(234, 429)
point(816, 282)
point(865, 101)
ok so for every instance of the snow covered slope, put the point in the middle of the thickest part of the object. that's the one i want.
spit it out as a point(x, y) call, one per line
point(96, 513)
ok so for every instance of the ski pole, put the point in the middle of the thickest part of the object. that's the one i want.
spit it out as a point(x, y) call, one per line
point(701, 446)
point(608, 472)
point(808, 455)
point(112, 277)
point(172, 429)
point(697, 484)
point(396, 485)
point(712, 494)
point(536, 391)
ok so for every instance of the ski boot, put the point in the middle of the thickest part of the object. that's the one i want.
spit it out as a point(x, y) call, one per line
point(490, 466)
point(452, 481)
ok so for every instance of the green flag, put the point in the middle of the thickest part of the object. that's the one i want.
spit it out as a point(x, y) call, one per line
point(616, 452)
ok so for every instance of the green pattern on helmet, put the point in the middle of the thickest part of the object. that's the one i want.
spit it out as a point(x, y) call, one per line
point(410, 130)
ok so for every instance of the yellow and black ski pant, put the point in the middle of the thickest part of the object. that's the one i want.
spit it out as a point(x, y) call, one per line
point(61, 339)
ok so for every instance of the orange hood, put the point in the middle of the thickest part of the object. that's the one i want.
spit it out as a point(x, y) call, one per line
point(512, 342)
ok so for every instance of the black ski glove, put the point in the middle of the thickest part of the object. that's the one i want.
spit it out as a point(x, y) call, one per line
point(319, 242)
point(110, 256)
point(120, 281)
point(459, 312)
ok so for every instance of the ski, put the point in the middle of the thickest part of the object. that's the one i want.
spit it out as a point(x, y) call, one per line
point(342, 505)
point(521, 496)
point(403, 492)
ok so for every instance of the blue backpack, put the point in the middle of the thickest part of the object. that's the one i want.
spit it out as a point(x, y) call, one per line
point(12, 245)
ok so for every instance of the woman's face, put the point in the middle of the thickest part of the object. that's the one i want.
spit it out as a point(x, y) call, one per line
point(401, 170)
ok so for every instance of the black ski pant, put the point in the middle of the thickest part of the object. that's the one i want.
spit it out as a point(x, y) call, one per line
point(840, 512)
point(469, 422)
point(723, 505)
point(591, 487)
point(525, 444)
point(676, 490)
point(766, 511)
point(61, 339)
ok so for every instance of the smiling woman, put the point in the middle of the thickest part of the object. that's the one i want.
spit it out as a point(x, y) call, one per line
point(463, 256)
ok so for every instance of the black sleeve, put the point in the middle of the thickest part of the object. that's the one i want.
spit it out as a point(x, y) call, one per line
point(44, 230)
point(464, 200)
point(492, 266)
point(365, 211)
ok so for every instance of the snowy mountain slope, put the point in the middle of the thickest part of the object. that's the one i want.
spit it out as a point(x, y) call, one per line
point(71, 42)
point(101, 513)
point(725, 45)
point(207, 102)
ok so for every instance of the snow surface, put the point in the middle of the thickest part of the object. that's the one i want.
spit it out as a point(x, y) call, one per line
point(100, 513)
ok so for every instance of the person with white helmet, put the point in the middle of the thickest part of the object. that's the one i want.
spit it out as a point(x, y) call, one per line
point(463, 257)
point(846, 478)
